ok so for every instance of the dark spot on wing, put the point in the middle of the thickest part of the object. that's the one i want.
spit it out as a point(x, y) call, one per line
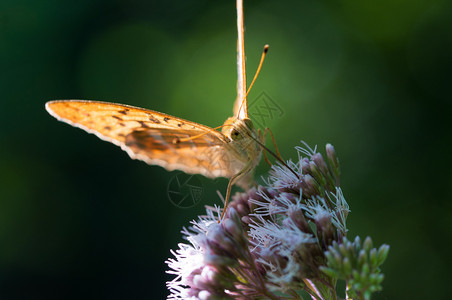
point(124, 112)
point(153, 119)
point(117, 118)
point(143, 124)
point(107, 127)
point(180, 124)
point(122, 124)
point(166, 119)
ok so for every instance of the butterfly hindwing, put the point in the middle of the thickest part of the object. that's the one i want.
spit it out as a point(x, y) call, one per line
point(205, 154)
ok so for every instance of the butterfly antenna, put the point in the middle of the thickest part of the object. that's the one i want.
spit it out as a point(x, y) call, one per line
point(264, 53)
point(258, 68)
point(179, 140)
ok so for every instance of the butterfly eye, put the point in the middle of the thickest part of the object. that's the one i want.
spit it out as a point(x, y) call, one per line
point(235, 134)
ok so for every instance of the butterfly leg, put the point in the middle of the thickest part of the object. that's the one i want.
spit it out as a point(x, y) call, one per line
point(233, 180)
point(274, 143)
point(273, 139)
point(262, 137)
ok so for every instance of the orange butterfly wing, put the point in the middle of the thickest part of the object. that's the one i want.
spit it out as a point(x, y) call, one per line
point(149, 136)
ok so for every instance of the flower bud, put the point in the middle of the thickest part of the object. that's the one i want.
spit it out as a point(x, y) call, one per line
point(318, 176)
point(246, 220)
point(367, 245)
point(320, 162)
point(382, 253)
point(373, 257)
point(347, 266)
point(242, 209)
point(299, 220)
point(325, 229)
point(333, 161)
point(220, 244)
point(233, 226)
point(362, 257)
point(305, 166)
point(204, 295)
point(356, 242)
point(310, 187)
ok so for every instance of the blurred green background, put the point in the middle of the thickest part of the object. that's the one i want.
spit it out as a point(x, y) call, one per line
point(80, 219)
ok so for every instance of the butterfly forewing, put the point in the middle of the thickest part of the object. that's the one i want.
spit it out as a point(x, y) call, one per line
point(115, 121)
point(151, 136)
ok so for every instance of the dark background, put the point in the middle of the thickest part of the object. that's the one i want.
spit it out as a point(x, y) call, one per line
point(80, 219)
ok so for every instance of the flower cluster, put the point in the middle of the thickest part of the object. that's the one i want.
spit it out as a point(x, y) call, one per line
point(358, 265)
point(276, 240)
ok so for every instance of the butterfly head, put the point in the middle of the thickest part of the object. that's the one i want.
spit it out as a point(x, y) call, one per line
point(240, 131)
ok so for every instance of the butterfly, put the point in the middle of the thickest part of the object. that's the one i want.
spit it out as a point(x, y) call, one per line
point(172, 142)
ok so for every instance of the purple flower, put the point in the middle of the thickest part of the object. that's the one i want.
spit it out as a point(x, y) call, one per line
point(272, 241)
